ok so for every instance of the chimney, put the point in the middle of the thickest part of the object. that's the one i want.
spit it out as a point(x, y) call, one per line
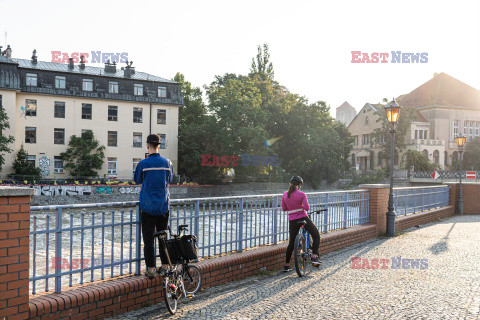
point(8, 52)
point(70, 63)
point(82, 62)
point(34, 56)
point(128, 71)
point(110, 67)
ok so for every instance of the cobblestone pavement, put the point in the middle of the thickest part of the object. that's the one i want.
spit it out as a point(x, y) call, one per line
point(448, 288)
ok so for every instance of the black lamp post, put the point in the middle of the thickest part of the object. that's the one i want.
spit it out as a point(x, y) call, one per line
point(460, 140)
point(393, 112)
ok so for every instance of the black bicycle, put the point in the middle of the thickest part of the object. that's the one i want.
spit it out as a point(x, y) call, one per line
point(303, 247)
point(181, 278)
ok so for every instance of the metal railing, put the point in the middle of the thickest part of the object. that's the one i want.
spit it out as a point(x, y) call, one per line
point(418, 199)
point(73, 244)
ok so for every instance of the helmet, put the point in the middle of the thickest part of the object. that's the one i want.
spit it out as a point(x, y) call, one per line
point(296, 180)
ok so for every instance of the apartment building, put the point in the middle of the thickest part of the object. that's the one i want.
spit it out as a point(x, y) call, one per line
point(49, 102)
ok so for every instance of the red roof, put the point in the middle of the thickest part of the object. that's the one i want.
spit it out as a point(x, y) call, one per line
point(442, 90)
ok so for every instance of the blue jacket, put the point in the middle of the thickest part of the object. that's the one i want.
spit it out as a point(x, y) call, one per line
point(154, 173)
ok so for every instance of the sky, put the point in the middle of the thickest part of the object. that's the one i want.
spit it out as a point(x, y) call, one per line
point(311, 42)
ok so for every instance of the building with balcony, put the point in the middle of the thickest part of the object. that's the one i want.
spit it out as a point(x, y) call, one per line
point(49, 102)
point(444, 108)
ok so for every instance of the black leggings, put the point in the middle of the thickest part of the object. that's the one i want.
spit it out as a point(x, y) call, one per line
point(149, 224)
point(294, 228)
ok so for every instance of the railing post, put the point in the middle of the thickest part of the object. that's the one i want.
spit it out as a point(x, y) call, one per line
point(58, 250)
point(345, 210)
point(275, 219)
point(196, 220)
point(362, 215)
point(240, 227)
point(137, 240)
point(325, 226)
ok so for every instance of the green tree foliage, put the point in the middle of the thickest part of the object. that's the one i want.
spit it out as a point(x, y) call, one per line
point(471, 157)
point(383, 136)
point(84, 155)
point(419, 160)
point(5, 140)
point(198, 133)
point(22, 166)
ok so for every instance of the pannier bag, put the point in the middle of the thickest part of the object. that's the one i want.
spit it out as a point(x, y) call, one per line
point(189, 248)
point(174, 252)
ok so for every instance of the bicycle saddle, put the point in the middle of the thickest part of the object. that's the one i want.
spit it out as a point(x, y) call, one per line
point(302, 222)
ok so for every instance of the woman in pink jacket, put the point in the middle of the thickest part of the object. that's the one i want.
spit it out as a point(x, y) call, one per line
point(295, 203)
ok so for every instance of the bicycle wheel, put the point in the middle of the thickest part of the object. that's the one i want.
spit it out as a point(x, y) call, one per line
point(300, 255)
point(170, 294)
point(192, 279)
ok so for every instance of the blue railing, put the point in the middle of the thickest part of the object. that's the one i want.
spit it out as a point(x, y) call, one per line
point(418, 199)
point(73, 244)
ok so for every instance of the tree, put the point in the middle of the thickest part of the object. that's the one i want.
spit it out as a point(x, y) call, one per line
point(4, 139)
point(261, 64)
point(471, 157)
point(418, 160)
point(24, 167)
point(84, 155)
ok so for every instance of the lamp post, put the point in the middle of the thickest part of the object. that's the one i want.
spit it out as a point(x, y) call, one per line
point(460, 140)
point(393, 112)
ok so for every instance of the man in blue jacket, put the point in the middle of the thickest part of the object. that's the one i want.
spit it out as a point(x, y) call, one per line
point(154, 173)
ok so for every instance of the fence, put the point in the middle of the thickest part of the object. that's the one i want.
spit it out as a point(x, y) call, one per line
point(417, 199)
point(72, 245)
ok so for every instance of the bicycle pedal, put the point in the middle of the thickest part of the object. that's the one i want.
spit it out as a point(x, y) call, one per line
point(190, 296)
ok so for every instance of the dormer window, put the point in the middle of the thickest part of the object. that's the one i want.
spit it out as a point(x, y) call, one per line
point(87, 85)
point(31, 80)
point(162, 92)
point(113, 87)
point(138, 89)
point(60, 82)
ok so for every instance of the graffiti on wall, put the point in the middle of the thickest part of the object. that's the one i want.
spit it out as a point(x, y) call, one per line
point(106, 190)
point(62, 190)
point(135, 190)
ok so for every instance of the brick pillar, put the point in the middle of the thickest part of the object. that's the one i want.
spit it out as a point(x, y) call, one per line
point(378, 204)
point(453, 195)
point(14, 252)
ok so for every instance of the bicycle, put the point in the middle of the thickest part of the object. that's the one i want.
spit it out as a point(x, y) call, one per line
point(181, 278)
point(303, 247)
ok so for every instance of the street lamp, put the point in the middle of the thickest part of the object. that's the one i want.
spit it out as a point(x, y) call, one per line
point(460, 140)
point(393, 113)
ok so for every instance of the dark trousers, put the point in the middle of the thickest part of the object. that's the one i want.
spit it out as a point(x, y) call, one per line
point(149, 224)
point(294, 228)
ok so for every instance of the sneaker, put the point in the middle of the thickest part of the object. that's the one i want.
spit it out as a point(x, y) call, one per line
point(151, 273)
point(287, 269)
point(315, 261)
point(161, 271)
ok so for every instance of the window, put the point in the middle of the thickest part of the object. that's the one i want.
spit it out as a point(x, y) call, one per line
point(472, 124)
point(86, 111)
point(456, 125)
point(113, 87)
point(465, 127)
point(138, 89)
point(31, 160)
point(31, 79)
point(163, 141)
point(425, 134)
point(365, 139)
point(135, 163)
point(112, 138)
point(161, 116)
point(355, 140)
point(367, 121)
point(112, 113)
point(112, 165)
point(137, 139)
point(477, 128)
point(87, 85)
point(85, 131)
point(59, 109)
point(416, 134)
point(30, 135)
point(137, 115)
point(59, 136)
point(162, 92)
point(58, 165)
point(30, 108)
point(60, 82)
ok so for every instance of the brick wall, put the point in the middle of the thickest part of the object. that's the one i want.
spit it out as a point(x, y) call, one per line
point(471, 194)
point(378, 204)
point(14, 252)
point(404, 222)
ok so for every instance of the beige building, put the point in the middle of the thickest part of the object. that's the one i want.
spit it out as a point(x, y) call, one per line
point(445, 107)
point(345, 113)
point(48, 102)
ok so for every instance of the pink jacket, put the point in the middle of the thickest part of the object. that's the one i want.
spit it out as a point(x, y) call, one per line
point(297, 203)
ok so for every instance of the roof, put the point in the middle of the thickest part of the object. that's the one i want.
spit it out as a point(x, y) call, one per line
point(4, 59)
point(89, 70)
point(346, 105)
point(442, 90)
point(419, 117)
